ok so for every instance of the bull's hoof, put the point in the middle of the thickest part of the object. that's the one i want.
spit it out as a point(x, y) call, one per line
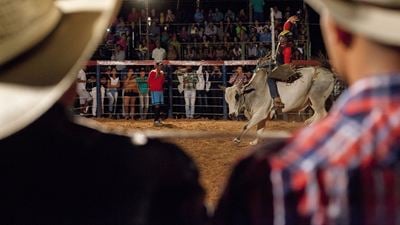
point(254, 142)
point(236, 140)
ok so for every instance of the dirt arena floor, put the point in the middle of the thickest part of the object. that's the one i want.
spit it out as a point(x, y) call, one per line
point(214, 155)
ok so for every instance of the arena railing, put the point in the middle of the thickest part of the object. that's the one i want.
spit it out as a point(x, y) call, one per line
point(209, 104)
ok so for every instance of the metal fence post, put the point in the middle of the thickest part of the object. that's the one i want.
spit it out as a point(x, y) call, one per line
point(170, 93)
point(98, 92)
point(224, 81)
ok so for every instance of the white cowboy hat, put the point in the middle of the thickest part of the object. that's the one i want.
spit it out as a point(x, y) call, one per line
point(376, 19)
point(43, 43)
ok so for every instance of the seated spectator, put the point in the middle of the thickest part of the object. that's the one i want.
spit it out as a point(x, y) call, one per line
point(170, 17)
point(154, 17)
point(133, 16)
point(198, 16)
point(122, 41)
point(164, 39)
point(278, 14)
point(174, 42)
point(229, 16)
point(220, 31)
point(220, 53)
point(218, 16)
point(184, 35)
point(172, 53)
point(242, 17)
point(210, 30)
point(158, 53)
point(257, 26)
point(120, 26)
point(119, 55)
point(252, 52)
point(237, 52)
point(154, 31)
point(240, 28)
point(162, 18)
point(265, 36)
point(194, 29)
point(191, 55)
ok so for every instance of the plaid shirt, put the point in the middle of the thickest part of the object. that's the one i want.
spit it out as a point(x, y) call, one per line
point(342, 170)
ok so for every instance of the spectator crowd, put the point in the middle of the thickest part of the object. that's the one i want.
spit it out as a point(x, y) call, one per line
point(210, 34)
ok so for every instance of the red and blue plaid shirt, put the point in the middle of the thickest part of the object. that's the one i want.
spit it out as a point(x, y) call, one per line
point(342, 170)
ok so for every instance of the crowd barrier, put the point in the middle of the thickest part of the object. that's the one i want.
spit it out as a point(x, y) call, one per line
point(209, 103)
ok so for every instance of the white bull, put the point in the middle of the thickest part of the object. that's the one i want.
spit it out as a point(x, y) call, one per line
point(311, 89)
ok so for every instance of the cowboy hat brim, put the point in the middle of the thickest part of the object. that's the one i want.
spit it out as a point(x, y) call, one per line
point(373, 21)
point(33, 81)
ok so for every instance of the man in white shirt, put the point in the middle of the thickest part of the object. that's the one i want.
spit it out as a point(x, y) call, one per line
point(84, 96)
point(158, 53)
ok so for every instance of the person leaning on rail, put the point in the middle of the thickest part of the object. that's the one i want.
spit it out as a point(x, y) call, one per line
point(345, 168)
point(55, 170)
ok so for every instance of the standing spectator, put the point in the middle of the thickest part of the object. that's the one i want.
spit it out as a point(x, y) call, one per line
point(131, 92)
point(258, 10)
point(56, 169)
point(156, 86)
point(218, 16)
point(238, 78)
point(189, 89)
point(84, 96)
point(170, 17)
point(278, 14)
point(198, 16)
point(92, 88)
point(143, 87)
point(230, 16)
point(112, 92)
point(158, 53)
point(119, 55)
point(202, 88)
point(215, 94)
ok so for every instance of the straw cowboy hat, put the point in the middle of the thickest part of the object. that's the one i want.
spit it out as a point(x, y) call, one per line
point(43, 43)
point(376, 19)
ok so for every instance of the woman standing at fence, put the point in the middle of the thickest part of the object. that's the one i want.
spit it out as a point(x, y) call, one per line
point(112, 91)
point(130, 93)
point(189, 88)
point(143, 88)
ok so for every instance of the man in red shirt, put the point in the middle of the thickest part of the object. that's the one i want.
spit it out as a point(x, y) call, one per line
point(290, 23)
point(156, 86)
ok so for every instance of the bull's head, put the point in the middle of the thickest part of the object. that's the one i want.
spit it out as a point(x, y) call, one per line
point(235, 99)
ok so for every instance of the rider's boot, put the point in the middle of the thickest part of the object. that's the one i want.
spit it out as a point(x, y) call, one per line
point(278, 103)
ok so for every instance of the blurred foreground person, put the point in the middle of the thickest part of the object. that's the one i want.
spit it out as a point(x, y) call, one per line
point(345, 168)
point(56, 171)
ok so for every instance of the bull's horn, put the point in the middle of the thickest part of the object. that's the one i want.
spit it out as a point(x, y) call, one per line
point(222, 87)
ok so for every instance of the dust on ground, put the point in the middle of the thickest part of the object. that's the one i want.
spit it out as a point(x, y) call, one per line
point(215, 156)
